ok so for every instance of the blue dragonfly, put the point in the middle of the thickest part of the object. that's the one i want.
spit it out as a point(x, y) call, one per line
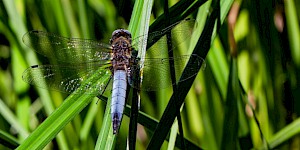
point(75, 60)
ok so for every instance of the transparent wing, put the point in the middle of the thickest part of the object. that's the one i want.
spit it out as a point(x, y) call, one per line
point(156, 71)
point(181, 32)
point(87, 78)
point(70, 50)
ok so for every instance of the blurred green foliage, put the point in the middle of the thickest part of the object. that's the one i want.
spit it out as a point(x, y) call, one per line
point(246, 97)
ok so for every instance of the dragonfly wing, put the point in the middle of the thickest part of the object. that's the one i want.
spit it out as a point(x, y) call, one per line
point(181, 29)
point(69, 50)
point(78, 79)
point(156, 71)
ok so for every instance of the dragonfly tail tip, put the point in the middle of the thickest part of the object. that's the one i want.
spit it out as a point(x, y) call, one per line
point(116, 123)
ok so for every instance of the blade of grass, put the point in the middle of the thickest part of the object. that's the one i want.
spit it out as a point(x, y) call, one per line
point(17, 47)
point(138, 26)
point(151, 123)
point(139, 23)
point(88, 121)
point(205, 106)
point(62, 116)
point(11, 118)
point(8, 140)
point(173, 136)
point(293, 30)
point(56, 10)
point(19, 28)
point(178, 126)
point(106, 138)
point(284, 134)
point(70, 18)
point(203, 44)
point(181, 10)
point(229, 138)
point(219, 67)
point(83, 19)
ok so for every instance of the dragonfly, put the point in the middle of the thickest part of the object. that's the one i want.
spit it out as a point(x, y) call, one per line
point(75, 60)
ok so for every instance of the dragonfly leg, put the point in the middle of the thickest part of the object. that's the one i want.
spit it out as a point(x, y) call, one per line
point(104, 89)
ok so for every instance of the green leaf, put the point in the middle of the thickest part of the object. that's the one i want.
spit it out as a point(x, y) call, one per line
point(8, 140)
point(229, 138)
point(71, 107)
point(208, 34)
point(293, 30)
point(282, 136)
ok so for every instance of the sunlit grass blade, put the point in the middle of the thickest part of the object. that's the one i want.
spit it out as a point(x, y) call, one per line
point(18, 29)
point(55, 122)
point(71, 107)
point(106, 139)
point(138, 26)
point(11, 118)
point(293, 30)
point(173, 135)
point(139, 23)
point(219, 66)
point(284, 135)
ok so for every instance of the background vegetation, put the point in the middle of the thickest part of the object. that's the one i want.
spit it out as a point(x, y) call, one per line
point(246, 97)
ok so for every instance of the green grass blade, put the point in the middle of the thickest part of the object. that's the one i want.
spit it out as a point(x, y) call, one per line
point(178, 12)
point(293, 30)
point(88, 121)
point(209, 33)
point(173, 135)
point(71, 107)
point(106, 139)
point(139, 23)
point(229, 138)
point(284, 134)
point(18, 29)
point(84, 27)
point(150, 123)
point(8, 140)
point(70, 18)
point(11, 118)
point(138, 26)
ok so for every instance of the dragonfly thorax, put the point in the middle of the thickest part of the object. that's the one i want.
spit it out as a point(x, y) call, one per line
point(121, 49)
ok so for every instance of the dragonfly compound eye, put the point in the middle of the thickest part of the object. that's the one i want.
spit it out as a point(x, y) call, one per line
point(120, 33)
point(127, 33)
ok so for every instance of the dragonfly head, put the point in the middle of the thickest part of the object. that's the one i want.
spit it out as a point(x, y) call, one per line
point(120, 33)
